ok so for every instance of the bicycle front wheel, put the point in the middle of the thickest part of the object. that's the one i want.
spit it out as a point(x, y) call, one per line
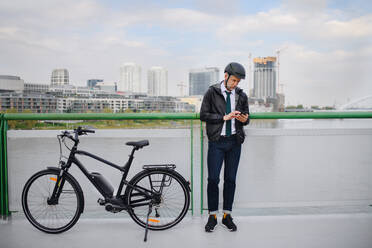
point(174, 201)
point(57, 217)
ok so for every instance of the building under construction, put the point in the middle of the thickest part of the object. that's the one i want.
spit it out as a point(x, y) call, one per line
point(264, 84)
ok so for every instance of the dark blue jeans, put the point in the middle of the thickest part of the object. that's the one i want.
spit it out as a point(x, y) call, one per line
point(224, 150)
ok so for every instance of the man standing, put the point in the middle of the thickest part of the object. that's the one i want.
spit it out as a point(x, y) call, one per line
point(225, 110)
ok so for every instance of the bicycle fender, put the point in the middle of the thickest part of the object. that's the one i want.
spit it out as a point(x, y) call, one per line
point(186, 183)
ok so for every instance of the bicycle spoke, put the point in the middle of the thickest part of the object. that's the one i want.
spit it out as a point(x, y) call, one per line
point(173, 200)
point(50, 217)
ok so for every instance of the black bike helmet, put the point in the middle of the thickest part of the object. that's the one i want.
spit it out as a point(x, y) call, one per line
point(235, 69)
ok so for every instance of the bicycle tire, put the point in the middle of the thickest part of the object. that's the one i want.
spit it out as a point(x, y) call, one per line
point(52, 218)
point(178, 196)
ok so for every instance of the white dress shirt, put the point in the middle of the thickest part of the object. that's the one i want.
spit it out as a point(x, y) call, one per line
point(232, 101)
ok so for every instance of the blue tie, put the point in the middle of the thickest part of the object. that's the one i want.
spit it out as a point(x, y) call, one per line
point(228, 110)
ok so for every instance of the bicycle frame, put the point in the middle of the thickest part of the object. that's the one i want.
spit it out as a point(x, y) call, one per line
point(125, 169)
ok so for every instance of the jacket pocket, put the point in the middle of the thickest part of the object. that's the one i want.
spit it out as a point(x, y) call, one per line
point(240, 135)
point(213, 130)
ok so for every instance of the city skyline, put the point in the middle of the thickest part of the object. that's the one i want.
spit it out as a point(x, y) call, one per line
point(326, 59)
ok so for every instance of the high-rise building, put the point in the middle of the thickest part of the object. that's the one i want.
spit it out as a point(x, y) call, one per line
point(200, 79)
point(93, 82)
point(264, 78)
point(130, 78)
point(157, 80)
point(59, 77)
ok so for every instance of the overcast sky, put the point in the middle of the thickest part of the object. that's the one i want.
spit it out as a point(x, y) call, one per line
point(326, 45)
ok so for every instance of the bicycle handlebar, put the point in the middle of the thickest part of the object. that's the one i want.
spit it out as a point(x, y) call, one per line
point(88, 131)
point(79, 131)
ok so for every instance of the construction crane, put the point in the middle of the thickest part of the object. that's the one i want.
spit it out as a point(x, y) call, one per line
point(181, 85)
point(249, 73)
point(278, 56)
point(281, 88)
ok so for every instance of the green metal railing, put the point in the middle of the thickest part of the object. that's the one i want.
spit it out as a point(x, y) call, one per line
point(104, 116)
point(4, 199)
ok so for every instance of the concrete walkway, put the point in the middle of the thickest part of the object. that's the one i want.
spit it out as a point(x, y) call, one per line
point(287, 231)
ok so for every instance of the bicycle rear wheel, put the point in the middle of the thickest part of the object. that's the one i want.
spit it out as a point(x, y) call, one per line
point(52, 218)
point(175, 199)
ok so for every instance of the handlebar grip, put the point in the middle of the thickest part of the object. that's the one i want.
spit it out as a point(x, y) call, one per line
point(88, 131)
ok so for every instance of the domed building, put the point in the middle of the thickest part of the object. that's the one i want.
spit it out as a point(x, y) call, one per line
point(59, 77)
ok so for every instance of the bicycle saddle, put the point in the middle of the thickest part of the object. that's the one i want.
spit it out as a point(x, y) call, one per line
point(138, 144)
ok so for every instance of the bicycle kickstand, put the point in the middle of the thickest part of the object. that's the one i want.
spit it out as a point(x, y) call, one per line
point(147, 222)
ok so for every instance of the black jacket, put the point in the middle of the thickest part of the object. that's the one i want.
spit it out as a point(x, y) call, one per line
point(213, 109)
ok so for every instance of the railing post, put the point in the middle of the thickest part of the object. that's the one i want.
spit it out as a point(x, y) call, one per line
point(201, 167)
point(192, 164)
point(4, 198)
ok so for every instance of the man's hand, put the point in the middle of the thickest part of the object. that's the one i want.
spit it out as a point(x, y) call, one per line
point(242, 118)
point(232, 115)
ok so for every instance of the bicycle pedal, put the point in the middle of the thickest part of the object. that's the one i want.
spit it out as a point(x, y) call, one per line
point(101, 202)
point(114, 208)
